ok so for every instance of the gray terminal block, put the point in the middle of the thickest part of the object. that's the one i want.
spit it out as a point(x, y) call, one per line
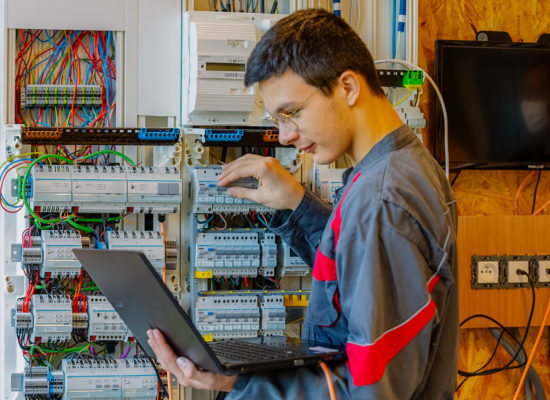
point(104, 323)
point(208, 197)
point(150, 243)
point(106, 378)
point(291, 263)
point(57, 252)
point(228, 253)
point(38, 382)
point(273, 315)
point(52, 318)
point(227, 316)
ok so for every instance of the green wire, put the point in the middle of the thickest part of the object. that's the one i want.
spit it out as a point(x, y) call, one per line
point(71, 219)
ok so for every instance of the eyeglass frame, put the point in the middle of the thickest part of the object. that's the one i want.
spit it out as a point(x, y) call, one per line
point(273, 118)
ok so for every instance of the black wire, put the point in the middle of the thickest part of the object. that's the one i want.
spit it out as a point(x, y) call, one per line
point(519, 349)
point(455, 177)
point(274, 7)
point(535, 193)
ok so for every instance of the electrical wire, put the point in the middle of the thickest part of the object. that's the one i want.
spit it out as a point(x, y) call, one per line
point(328, 379)
point(520, 189)
point(532, 355)
point(535, 192)
point(411, 91)
point(441, 102)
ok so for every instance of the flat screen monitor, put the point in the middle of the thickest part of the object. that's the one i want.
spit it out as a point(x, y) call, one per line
point(497, 96)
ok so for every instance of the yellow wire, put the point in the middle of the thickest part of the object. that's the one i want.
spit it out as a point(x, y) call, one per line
point(124, 218)
point(19, 155)
point(404, 98)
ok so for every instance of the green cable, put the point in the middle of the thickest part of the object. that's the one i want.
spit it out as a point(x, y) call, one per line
point(70, 219)
point(110, 219)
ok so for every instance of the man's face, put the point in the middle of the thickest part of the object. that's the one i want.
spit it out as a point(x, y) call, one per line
point(319, 125)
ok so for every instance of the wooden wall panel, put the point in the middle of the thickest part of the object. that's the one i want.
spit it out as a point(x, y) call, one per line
point(487, 193)
point(476, 347)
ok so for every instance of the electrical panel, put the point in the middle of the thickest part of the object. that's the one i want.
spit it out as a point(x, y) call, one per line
point(58, 256)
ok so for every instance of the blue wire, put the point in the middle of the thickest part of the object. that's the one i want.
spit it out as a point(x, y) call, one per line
point(4, 171)
point(262, 221)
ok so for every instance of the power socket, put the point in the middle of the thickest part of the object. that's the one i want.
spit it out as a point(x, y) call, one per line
point(543, 267)
point(487, 272)
point(512, 276)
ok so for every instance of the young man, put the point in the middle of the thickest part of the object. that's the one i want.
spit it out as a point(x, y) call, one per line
point(384, 260)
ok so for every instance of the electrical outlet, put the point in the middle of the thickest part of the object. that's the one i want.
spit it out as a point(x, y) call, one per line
point(543, 267)
point(513, 267)
point(487, 272)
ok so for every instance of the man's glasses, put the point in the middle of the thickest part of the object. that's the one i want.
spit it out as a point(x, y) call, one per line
point(284, 120)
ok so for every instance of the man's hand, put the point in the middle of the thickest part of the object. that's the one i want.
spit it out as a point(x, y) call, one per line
point(277, 188)
point(187, 373)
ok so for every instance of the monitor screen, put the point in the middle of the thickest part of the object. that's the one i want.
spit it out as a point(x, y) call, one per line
point(498, 103)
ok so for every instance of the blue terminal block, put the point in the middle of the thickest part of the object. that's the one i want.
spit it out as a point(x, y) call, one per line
point(159, 134)
point(224, 136)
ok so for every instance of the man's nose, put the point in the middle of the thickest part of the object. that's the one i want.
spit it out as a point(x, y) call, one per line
point(288, 135)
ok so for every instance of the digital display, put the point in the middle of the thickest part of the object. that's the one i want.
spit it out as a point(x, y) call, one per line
point(225, 67)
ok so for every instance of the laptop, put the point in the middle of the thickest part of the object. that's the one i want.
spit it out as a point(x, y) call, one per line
point(137, 293)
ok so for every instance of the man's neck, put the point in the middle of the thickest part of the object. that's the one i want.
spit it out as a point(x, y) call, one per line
point(373, 119)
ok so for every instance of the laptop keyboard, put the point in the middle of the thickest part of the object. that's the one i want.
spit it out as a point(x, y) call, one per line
point(245, 351)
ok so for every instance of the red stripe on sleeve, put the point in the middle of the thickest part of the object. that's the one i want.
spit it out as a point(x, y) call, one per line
point(324, 268)
point(368, 363)
point(336, 222)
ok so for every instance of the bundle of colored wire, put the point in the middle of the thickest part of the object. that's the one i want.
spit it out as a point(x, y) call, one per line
point(66, 58)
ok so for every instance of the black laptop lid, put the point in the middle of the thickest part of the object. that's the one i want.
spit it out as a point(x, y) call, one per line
point(138, 294)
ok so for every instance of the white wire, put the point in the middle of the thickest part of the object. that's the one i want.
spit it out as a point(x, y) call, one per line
point(443, 108)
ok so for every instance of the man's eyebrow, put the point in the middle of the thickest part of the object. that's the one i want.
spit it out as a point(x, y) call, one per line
point(289, 105)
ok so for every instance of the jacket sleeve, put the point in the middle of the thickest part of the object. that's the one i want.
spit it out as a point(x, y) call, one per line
point(386, 277)
point(303, 228)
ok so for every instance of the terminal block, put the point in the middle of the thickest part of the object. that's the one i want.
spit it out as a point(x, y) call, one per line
point(104, 323)
point(22, 321)
point(269, 254)
point(58, 257)
point(98, 189)
point(61, 95)
point(154, 190)
point(273, 315)
point(51, 253)
point(327, 182)
point(98, 136)
point(106, 189)
point(52, 318)
point(228, 253)
point(104, 378)
point(227, 317)
point(38, 382)
point(150, 243)
point(208, 197)
point(220, 136)
point(291, 263)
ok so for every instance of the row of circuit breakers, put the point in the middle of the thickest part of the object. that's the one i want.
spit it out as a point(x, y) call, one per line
point(53, 319)
point(81, 377)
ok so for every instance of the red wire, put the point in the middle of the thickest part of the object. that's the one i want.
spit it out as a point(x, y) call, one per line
point(2, 185)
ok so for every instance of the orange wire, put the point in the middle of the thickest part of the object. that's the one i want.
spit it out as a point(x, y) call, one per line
point(542, 208)
point(532, 355)
point(329, 380)
point(521, 186)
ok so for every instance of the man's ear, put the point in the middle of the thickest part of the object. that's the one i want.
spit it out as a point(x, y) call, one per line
point(349, 83)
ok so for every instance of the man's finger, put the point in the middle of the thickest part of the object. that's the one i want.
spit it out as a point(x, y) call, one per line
point(243, 193)
point(244, 169)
